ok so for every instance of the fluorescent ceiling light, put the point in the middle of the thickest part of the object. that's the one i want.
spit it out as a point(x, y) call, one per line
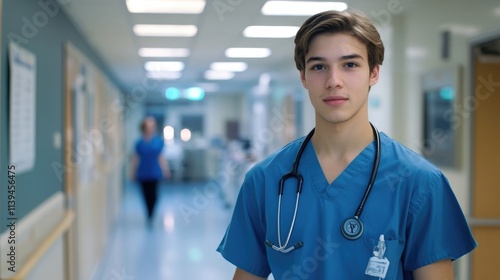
point(164, 66)
point(248, 52)
point(218, 75)
point(165, 30)
point(166, 7)
point(164, 52)
point(300, 8)
point(270, 31)
point(229, 66)
point(164, 75)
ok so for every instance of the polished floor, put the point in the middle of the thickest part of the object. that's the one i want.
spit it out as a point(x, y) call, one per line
point(179, 245)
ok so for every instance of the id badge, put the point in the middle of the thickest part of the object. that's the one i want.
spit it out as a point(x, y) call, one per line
point(377, 267)
point(378, 264)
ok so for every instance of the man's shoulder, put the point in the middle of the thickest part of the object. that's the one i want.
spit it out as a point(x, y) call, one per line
point(405, 160)
point(282, 158)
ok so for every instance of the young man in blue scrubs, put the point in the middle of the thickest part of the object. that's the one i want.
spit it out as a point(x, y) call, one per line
point(413, 227)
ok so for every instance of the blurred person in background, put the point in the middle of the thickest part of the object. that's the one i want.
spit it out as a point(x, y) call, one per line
point(149, 166)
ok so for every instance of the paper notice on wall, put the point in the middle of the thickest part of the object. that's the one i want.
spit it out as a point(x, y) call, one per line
point(22, 107)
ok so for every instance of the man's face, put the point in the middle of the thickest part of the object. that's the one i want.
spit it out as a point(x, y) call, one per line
point(337, 76)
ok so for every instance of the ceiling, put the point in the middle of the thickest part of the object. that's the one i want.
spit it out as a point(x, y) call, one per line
point(108, 26)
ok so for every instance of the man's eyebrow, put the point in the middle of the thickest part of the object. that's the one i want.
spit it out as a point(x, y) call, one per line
point(315, 58)
point(344, 57)
point(351, 56)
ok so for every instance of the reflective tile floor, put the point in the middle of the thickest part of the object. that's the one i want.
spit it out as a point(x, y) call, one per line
point(179, 245)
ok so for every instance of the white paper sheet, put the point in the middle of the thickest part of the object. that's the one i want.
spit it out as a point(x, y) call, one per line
point(22, 107)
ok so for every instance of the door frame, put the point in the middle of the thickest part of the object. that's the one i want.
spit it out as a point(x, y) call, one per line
point(8, 128)
point(473, 43)
point(473, 221)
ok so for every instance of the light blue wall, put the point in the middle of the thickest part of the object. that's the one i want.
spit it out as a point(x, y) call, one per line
point(42, 28)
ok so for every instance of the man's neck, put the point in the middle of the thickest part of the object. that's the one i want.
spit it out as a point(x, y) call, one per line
point(340, 140)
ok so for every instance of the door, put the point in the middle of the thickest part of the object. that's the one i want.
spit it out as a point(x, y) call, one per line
point(485, 167)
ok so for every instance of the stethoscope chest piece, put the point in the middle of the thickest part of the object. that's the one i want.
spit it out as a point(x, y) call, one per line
point(352, 228)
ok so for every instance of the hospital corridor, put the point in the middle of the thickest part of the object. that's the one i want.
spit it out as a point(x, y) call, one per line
point(175, 246)
point(249, 139)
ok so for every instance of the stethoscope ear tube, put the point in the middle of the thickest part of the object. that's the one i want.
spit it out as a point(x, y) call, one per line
point(283, 250)
point(373, 175)
point(291, 174)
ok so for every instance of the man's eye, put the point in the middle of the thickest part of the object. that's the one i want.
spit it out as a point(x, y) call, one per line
point(318, 67)
point(350, 64)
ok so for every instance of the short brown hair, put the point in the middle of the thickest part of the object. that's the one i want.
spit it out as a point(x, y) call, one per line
point(353, 23)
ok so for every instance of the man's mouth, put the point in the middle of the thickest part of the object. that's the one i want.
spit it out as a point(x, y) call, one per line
point(335, 100)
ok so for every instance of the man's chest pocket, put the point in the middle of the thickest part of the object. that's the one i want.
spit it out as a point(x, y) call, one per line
point(384, 259)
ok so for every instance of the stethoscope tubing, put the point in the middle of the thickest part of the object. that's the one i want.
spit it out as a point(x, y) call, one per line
point(294, 173)
point(300, 180)
point(373, 175)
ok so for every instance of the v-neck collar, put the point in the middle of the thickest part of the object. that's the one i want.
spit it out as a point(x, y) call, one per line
point(359, 167)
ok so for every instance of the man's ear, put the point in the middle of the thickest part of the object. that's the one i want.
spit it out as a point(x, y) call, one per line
point(303, 78)
point(374, 75)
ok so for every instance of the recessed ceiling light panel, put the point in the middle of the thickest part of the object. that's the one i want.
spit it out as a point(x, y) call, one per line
point(248, 52)
point(259, 31)
point(229, 66)
point(164, 66)
point(166, 7)
point(164, 75)
point(300, 8)
point(165, 30)
point(164, 52)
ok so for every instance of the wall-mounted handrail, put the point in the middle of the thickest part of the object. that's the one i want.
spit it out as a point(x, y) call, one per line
point(34, 258)
point(483, 222)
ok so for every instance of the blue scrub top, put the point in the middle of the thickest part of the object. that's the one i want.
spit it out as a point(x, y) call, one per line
point(411, 204)
point(149, 152)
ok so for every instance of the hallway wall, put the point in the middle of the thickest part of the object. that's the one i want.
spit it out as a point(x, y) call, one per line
point(22, 23)
point(42, 28)
point(421, 30)
point(418, 49)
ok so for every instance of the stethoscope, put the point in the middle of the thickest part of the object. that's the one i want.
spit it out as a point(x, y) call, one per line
point(352, 228)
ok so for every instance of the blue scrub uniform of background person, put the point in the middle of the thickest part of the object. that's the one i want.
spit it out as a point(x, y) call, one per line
point(411, 204)
point(149, 172)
